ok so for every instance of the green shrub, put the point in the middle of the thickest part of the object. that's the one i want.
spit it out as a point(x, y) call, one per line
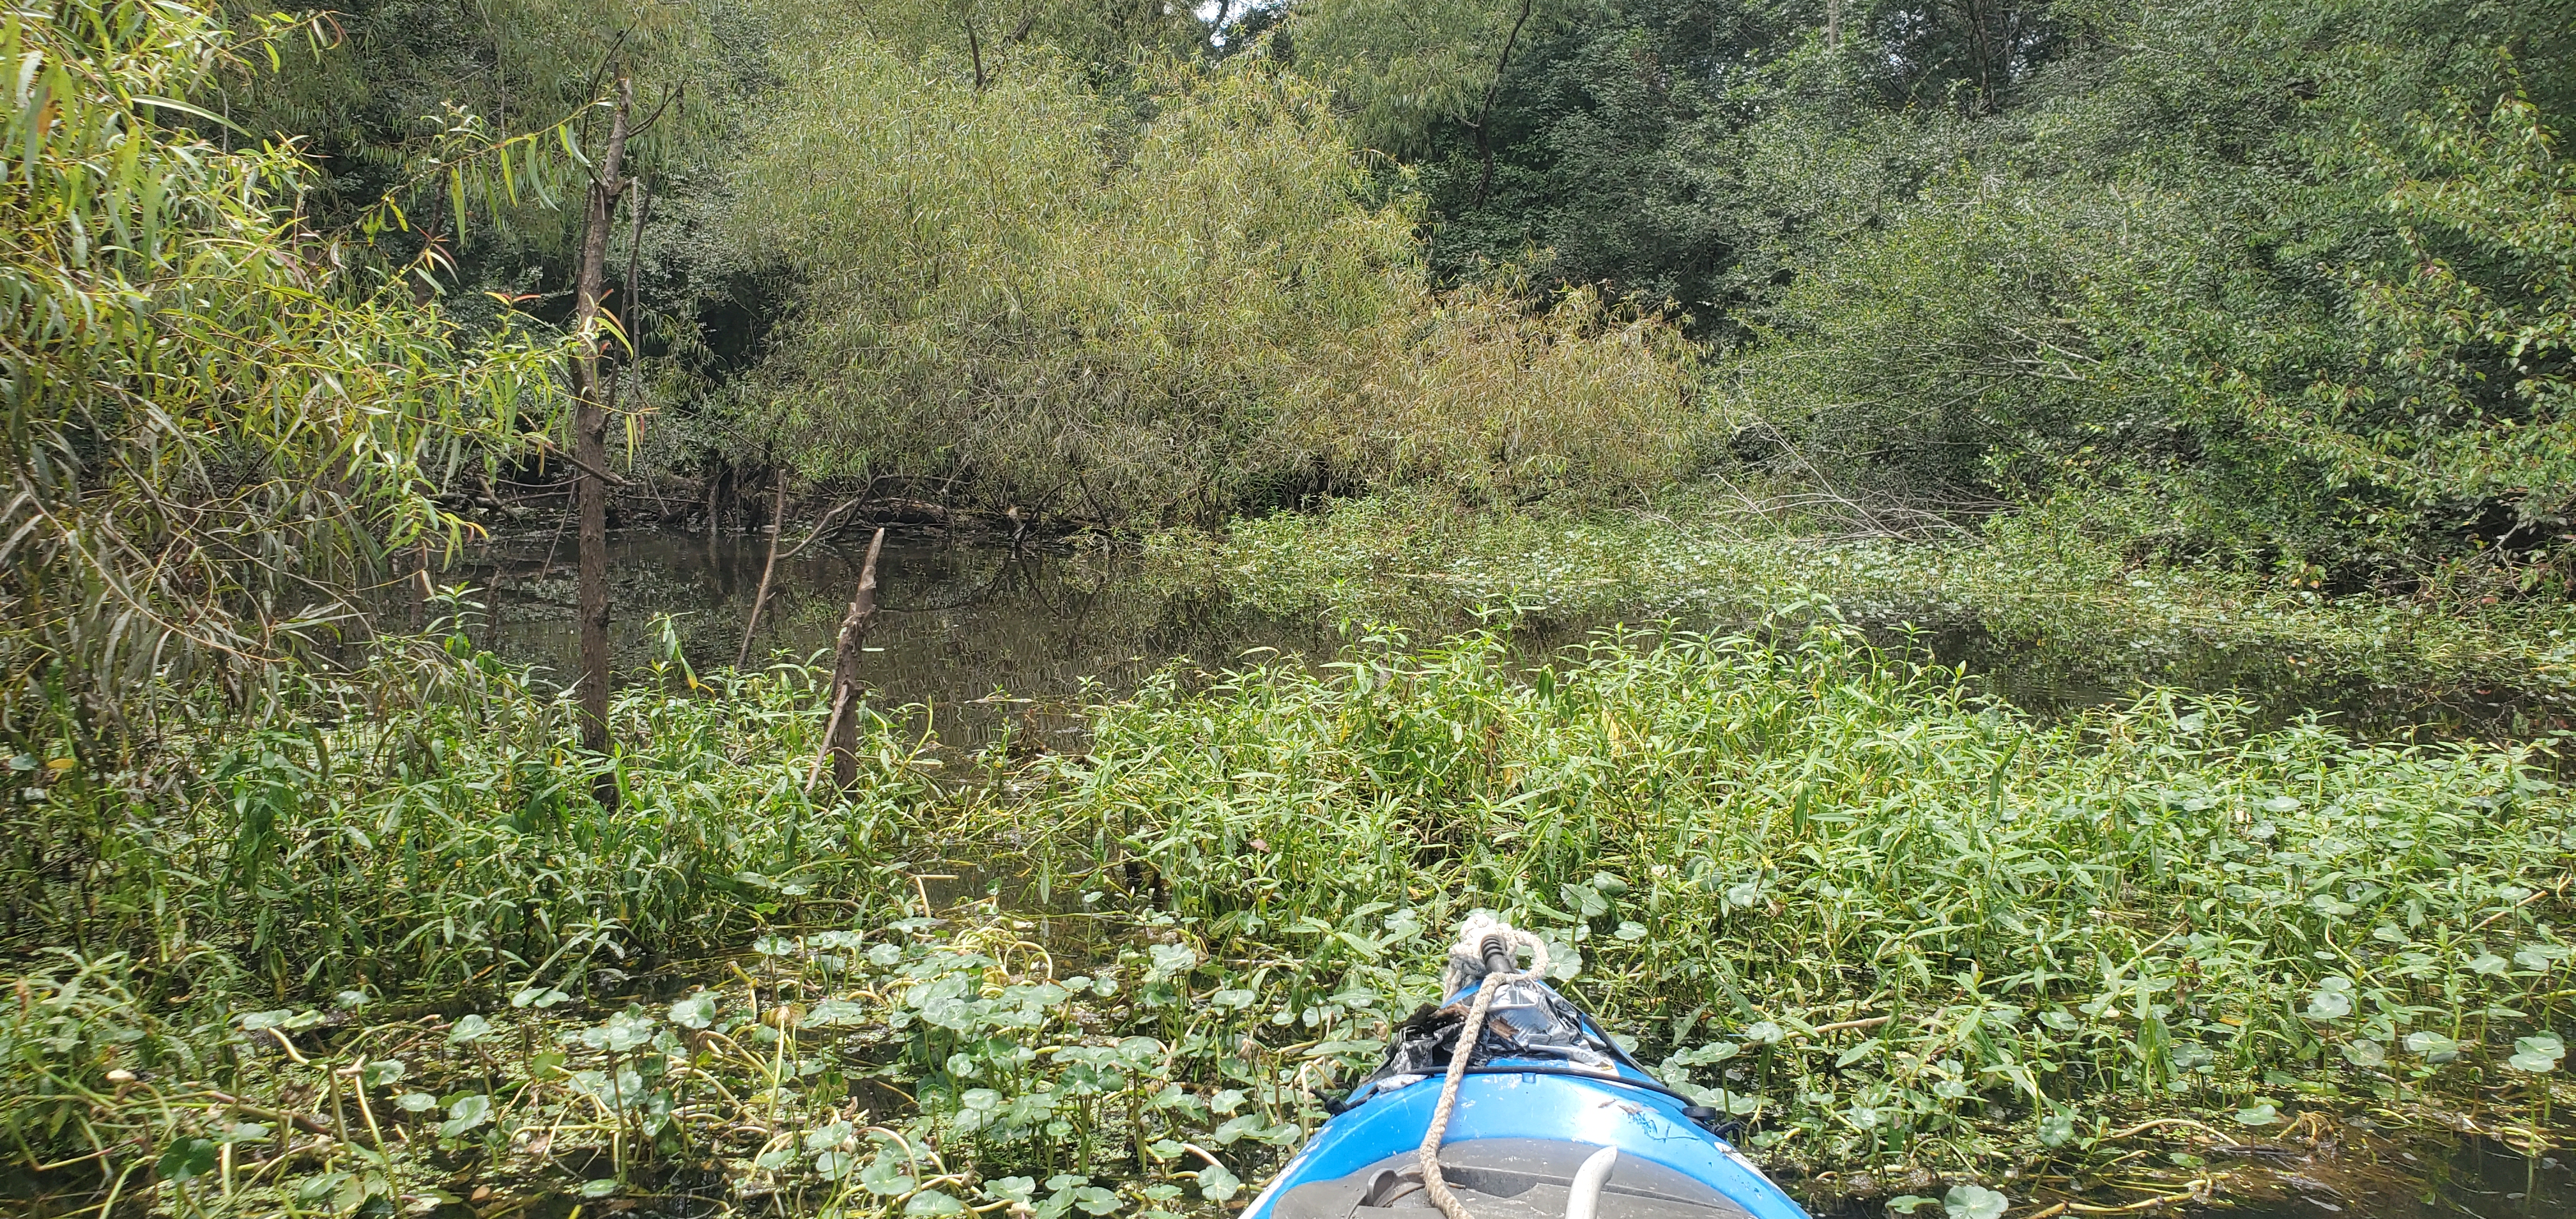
point(1024, 294)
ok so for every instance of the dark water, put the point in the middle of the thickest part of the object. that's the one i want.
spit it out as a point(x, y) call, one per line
point(978, 636)
point(981, 637)
point(2374, 1179)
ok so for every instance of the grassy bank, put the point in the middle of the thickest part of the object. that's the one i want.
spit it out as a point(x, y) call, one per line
point(1417, 559)
point(399, 961)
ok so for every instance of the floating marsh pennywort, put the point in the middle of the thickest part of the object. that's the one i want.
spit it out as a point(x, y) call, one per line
point(393, 960)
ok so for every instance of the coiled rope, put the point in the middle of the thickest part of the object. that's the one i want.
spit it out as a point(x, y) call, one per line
point(1433, 1183)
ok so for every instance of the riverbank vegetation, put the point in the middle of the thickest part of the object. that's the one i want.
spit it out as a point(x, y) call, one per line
point(2234, 326)
point(2030, 584)
point(1889, 928)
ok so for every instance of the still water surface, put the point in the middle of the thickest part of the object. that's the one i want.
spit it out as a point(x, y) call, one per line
point(977, 635)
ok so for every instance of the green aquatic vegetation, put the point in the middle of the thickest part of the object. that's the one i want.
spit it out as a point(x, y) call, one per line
point(1843, 896)
point(1879, 921)
point(1418, 560)
point(451, 842)
point(925, 1067)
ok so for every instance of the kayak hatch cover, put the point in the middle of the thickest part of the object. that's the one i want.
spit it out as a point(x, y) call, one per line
point(1545, 1091)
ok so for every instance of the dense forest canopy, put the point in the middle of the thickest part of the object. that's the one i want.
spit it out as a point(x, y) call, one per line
point(2270, 282)
point(2280, 285)
point(2276, 284)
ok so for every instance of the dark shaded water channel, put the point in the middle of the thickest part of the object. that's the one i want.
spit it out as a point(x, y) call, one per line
point(978, 635)
point(978, 638)
point(974, 635)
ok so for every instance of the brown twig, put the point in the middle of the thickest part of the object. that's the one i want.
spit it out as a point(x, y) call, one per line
point(839, 740)
point(553, 449)
point(2198, 1192)
point(777, 527)
point(2536, 895)
point(840, 702)
point(1494, 89)
point(2143, 1127)
point(824, 524)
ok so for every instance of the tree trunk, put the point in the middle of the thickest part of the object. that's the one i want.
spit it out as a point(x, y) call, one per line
point(841, 731)
point(1494, 89)
point(590, 434)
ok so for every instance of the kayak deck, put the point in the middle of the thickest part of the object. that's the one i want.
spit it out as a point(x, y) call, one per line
point(1507, 1179)
point(1513, 1144)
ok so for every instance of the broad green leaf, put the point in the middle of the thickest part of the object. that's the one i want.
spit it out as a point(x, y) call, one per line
point(465, 1115)
point(187, 1159)
point(2538, 1054)
point(2432, 1047)
point(1973, 1202)
point(1216, 1184)
point(696, 1011)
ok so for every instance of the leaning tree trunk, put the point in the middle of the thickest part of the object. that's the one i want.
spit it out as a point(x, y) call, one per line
point(590, 434)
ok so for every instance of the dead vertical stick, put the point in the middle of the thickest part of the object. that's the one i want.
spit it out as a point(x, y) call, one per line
point(840, 733)
point(777, 529)
point(831, 727)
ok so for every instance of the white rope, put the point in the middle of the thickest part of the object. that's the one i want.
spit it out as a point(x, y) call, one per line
point(1433, 1183)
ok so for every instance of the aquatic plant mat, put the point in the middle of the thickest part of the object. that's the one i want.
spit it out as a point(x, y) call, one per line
point(396, 959)
point(2050, 618)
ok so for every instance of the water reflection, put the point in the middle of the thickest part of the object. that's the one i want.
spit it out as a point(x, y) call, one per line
point(985, 638)
point(982, 637)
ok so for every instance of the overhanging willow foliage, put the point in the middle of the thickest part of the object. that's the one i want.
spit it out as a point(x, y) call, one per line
point(1027, 293)
point(215, 427)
